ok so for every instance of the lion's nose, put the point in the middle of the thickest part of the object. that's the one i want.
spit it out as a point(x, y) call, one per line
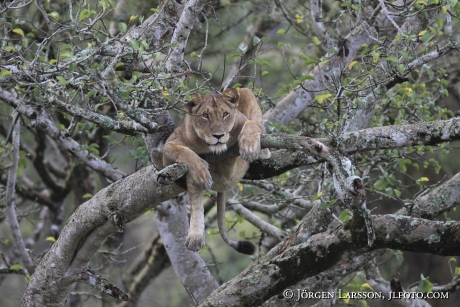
point(218, 136)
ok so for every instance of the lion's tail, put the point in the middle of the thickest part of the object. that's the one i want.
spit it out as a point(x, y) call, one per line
point(244, 247)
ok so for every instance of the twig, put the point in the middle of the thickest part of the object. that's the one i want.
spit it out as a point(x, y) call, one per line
point(257, 221)
point(101, 284)
point(46, 125)
point(11, 213)
point(317, 14)
point(387, 13)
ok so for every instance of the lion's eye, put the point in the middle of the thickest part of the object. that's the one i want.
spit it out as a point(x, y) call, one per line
point(225, 114)
point(205, 116)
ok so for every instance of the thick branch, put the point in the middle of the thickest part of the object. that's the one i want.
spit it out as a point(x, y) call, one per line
point(182, 32)
point(388, 137)
point(87, 230)
point(130, 197)
point(276, 271)
point(397, 136)
point(437, 201)
point(190, 268)
point(145, 268)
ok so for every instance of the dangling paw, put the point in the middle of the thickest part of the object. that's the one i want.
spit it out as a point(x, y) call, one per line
point(194, 242)
point(264, 154)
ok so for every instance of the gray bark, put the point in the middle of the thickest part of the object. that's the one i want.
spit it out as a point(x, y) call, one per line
point(190, 268)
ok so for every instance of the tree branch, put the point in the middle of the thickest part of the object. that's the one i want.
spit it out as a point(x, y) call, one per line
point(190, 268)
point(40, 120)
point(128, 198)
point(276, 271)
point(182, 32)
point(88, 228)
point(10, 203)
point(257, 221)
point(101, 284)
point(146, 267)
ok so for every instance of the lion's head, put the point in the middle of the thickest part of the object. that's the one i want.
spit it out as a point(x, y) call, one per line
point(213, 117)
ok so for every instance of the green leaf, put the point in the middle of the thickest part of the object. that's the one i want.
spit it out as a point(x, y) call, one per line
point(10, 49)
point(255, 40)
point(375, 56)
point(457, 271)
point(123, 27)
point(233, 55)
point(380, 184)
point(62, 80)
point(242, 49)
point(425, 285)
point(401, 68)
point(54, 15)
point(4, 73)
point(16, 267)
point(427, 37)
point(307, 77)
point(437, 169)
point(19, 31)
point(281, 31)
point(316, 196)
point(452, 3)
point(321, 98)
point(85, 13)
point(51, 239)
point(316, 41)
point(133, 43)
point(389, 192)
point(328, 204)
point(87, 195)
point(344, 215)
point(392, 58)
point(309, 62)
point(123, 94)
point(353, 63)
point(65, 54)
point(399, 257)
point(194, 55)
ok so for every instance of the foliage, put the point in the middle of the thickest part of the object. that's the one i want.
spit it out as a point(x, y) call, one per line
point(88, 80)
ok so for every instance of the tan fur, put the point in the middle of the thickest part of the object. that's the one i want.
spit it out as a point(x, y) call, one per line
point(214, 123)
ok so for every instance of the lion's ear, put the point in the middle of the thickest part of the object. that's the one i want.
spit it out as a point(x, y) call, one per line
point(231, 95)
point(195, 99)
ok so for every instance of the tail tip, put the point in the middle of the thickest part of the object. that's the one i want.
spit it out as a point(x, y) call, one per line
point(245, 247)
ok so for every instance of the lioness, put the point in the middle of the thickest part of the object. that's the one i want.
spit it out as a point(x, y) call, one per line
point(213, 123)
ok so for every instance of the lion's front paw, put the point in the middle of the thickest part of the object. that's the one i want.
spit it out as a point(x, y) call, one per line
point(249, 147)
point(199, 173)
point(194, 242)
point(264, 154)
